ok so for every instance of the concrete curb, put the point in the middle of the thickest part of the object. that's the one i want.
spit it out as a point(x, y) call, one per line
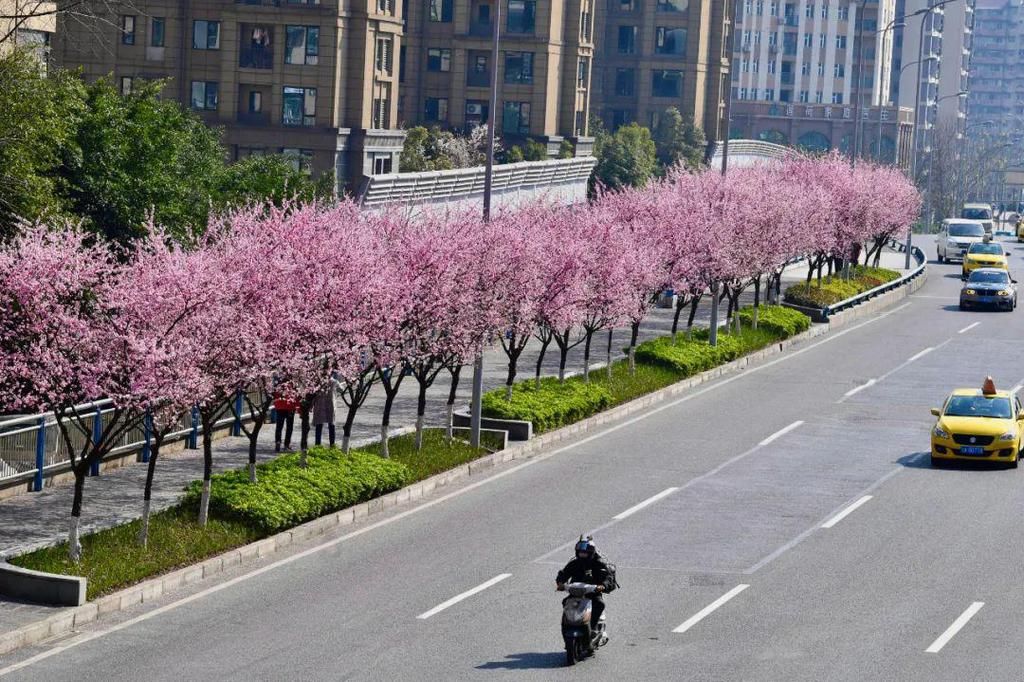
point(149, 590)
point(42, 588)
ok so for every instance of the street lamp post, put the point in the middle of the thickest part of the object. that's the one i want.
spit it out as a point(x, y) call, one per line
point(713, 329)
point(859, 65)
point(883, 98)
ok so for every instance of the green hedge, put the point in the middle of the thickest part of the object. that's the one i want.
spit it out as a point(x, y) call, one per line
point(552, 405)
point(288, 494)
point(834, 289)
point(692, 356)
point(779, 320)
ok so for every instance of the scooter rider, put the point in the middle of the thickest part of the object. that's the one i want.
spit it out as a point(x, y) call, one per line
point(587, 567)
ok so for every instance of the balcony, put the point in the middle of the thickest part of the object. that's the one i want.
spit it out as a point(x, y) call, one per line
point(256, 58)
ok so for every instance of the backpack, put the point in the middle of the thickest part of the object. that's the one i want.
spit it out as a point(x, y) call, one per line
point(613, 581)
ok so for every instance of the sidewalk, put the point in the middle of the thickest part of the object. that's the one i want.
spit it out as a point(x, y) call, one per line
point(40, 519)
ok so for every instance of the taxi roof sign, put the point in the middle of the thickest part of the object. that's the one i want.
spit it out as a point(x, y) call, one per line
point(989, 387)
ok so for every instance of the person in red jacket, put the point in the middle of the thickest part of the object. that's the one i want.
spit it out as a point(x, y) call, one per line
point(285, 409)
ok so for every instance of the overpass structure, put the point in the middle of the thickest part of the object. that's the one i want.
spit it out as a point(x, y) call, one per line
point(750, 152)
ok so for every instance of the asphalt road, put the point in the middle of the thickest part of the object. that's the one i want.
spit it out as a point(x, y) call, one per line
point(802, 508)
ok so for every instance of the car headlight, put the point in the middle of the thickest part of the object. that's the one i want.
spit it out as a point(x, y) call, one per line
point(1004, 292)
point(939, 433)
point(970, 292)
point(1010, 435)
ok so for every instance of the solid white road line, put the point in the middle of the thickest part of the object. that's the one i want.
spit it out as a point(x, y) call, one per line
point(957, 625)
point(96, 634)
point(920, 355)
point(707, 610)
point(465, 595)
point(780, 433)
point(855, 391)
point(846, 512)
point(968, 327)
point(648, 501)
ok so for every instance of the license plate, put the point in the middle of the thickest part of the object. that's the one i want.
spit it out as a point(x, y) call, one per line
point(972, 450)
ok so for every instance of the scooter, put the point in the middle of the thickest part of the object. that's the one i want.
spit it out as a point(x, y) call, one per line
point(581, 637)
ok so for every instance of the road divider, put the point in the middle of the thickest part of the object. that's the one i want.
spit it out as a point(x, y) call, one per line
point(968, 327)
point(846, 512)
point(649, 501)
point(465, 595)
point(709, 609)
point(957, 625)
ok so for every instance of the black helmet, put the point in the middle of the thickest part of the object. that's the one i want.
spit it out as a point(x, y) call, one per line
point(585, 548)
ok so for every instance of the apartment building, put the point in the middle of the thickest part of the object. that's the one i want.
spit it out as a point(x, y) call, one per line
point(997, 69)
point(663, 53)
point(30, 24)
point(314, 79)
point(544, 67)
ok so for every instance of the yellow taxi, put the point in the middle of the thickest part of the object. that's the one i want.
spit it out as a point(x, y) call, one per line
point(984, 255)
point(978, 425)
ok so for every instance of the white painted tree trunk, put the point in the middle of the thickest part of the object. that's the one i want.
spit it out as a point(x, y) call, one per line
point(632, 357)
point(74, 545)
point(384, 452)
point(204, 504)
point(419, 432)
point(252, 472)
point(345, 440)
point(451, 422)
point(508, 391)
point(754, 325)
point(144, 528)
point(608, 366)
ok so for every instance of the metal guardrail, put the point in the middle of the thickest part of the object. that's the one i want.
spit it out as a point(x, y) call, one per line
point(32, 448)
point(882, 288)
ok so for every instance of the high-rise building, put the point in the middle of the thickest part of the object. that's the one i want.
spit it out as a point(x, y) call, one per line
point(314, 79)
point(544, 66)
point(657, 54)
point(28, 24)
point(997, 68)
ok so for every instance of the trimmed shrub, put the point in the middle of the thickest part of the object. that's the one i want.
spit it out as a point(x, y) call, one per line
point(833, 289)
point(552, 405)
point(779, 320)
point(288, 494)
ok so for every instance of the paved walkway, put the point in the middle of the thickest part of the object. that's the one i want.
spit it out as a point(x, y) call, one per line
point(40, 519)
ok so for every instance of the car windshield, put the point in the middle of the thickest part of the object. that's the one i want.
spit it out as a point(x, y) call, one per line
point(992, 249)
point(982, 277)
point(978, 406)
point(966, 230)
point(976, 214)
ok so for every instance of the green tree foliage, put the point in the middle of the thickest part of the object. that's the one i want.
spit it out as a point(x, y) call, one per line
point(141, 155)
point(38, 119)
point(514, 154)
point(678, 140)
point(416, 150)
point(273, 178)
point(536, 151)
point(566, 150)
point(626, 159)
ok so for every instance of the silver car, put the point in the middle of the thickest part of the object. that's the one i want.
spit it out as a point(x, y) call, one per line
point(956, 236)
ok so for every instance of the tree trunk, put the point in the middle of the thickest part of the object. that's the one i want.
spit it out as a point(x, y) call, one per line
point(680, 304)
point(147, 492)
point(206, 417)
point(694, 302)
point(634, 334)
point(304, 427)
point(452, 392)
point(513, 350)
point(384, 451)
point(391, 391)
point(757, 300)
point(608, 365)
point(74, 545)
point(253, 439)
point(421, 411)
point(544, 343)
point(586, 356)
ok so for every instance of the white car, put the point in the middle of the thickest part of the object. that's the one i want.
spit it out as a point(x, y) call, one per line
point(956, 236)
point(980, 212)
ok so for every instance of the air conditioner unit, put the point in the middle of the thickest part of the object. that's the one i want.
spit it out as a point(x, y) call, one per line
point(474, 110)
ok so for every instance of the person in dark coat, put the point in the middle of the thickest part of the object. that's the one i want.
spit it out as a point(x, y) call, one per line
point(323, 413)
point(588, 567)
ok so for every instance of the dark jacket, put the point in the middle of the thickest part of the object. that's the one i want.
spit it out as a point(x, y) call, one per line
point(593, 571)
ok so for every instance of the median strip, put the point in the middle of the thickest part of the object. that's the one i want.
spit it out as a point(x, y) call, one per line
point(465, 595)
point(846, 512)
point(709, 609)
point(957, 625)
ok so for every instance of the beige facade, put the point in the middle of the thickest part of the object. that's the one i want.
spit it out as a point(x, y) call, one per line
point(316, 80)
point(544, 66)
point(663, 53)
point(29, 24)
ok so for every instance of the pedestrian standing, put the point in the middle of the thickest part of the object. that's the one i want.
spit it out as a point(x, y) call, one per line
point(285, 408)
point(323, 413)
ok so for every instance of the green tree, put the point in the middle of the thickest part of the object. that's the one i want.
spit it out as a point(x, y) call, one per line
point(140, 156)
point(270, 178)
point(536, 151)
point(626, 159)
point(514, 154)
point(566, 150)
point(39, 115)
point(415, 151)
point(678, 140)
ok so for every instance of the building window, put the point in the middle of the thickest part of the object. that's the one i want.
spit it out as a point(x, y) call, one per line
point(771, 66)
point(205, 35)
point(760, 8)
point(401, 66)
point(440, 11)
point(805, 69)
point(436, 109)
point(300, 159)
point(299, 106)
point(515, 118)
point(667, 83)
point(818, 97)
point(127, 29)
point(382, 107)
point(38, 42)
point(156, 32)
point(823, 40)
point(769, 94)
point(478, 75)
point(126, 85)
point(808, 39)
point(673, 5)
point(757, 37)
point(621, 117)
point(381, 164)
point(522, 16)
point(824, 10)
point(581, 124)
point(582, 69)
point(785, 95)
point(627, 39)
point(844, 13)
point(625, 82)
point(840, 42)
point(476, 112)
point(384, 6)
point(518, 67)
point(670, 40)
point(753, 93)
point(384, 59)
point(439, 59)
point(742, 94)
point(773, 8)
point(837, 98)
point(257, 52)
point(255, 101)
point(302, 45)
point(204, 95)
point(755, 66)
point(839, 70)
point(805, 96)
point(821, 68)
point(809, 10)
point(627, 5)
